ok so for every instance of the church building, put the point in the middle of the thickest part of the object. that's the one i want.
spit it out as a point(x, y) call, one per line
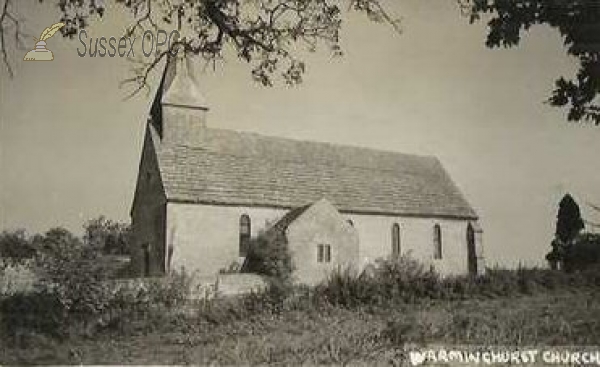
point(202, 193)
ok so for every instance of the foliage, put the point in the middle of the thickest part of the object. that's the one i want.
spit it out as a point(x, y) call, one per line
point(58, 242)
point(568, 225)
point(584, 253)
point(569, 222)
point(403, 280)
point(266, 34)
point(225, 334)
point(82, 305)
point(578, 23)
point(107, 236)
point(268, 255)
point(16, 246)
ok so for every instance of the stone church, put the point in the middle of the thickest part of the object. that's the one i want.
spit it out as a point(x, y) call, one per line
point(202, 193)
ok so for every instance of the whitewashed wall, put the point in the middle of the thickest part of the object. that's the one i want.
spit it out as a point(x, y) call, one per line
point(206, 237)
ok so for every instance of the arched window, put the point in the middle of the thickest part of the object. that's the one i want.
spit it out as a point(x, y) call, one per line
point(244, 234)
point(437, 242)
point(396, 240)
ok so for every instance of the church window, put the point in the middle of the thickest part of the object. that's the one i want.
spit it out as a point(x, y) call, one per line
point(245, 232)
point(437, 242)
point(396, 240)
point(323, 253)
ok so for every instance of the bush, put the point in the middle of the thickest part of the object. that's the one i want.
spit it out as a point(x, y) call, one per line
point(16, 246)
point(403, 280)
point(268, 255)
point(38, 312)
point(81, 302)
point(347, 288)
point(583, 253)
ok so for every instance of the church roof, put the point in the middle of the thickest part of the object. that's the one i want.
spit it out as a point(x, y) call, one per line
point(238, 168)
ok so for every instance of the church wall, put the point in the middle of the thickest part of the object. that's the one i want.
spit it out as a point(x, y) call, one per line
point(148, 216)
point(417, 238)
point(321, 224)
point(205, 238)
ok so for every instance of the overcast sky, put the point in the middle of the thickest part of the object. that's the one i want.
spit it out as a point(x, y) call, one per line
point(70, 146)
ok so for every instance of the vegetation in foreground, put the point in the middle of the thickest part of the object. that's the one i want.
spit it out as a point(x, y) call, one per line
point(330, 335)
point(66, 310)
point(369, 317)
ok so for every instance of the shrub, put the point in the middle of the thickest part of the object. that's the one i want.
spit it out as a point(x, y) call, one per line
point(403, 280)
point(583, 253)
point(347, 288)
point(268, 255)
point(16, 246)
point(107, 236)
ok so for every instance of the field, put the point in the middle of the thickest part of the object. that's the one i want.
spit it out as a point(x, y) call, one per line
point(328, 335)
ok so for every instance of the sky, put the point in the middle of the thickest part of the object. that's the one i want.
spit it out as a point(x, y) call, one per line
point(70, 143)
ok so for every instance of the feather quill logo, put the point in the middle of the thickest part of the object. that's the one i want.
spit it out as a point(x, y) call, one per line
point(40, 52)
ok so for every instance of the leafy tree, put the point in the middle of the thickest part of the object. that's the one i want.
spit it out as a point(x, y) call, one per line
point(569, 222)
point(568, 225)
point(269, 255)
point(57, 241)
point(579, 25)
point(107, 236)
point(267, 34)
point(16, 246)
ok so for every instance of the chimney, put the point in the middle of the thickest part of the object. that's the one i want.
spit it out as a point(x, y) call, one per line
point(179, 110)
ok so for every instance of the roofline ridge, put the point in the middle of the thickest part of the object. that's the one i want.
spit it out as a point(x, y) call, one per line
point(340, 145)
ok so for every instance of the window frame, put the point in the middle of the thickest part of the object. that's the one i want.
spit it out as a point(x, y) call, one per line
point(323, 253)
point(438, 242)
point(245, 232)
point(396, 240)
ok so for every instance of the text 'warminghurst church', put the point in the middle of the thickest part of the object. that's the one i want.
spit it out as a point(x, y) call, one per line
point(203, 193)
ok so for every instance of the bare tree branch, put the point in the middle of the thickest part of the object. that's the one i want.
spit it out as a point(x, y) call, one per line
point(9, 18)
point(263, 33)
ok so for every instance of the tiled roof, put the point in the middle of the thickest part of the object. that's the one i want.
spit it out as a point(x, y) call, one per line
point(235, 168)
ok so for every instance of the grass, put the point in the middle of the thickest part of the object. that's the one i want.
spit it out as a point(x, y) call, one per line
point(331, 335)
point(370, 317)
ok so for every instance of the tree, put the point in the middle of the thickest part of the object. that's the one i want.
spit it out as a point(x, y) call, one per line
point(266, 34)
point(568, 225)
point(569, 222)
point(16, 246)
point(579, 25)
point(268, 255)
point(57, 241)
point(107, 236)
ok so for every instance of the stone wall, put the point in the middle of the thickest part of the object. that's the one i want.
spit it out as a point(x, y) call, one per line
point(205, 238)
point(148, 215)
point(321, 224)
point(416, 237)
point(236, 284)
